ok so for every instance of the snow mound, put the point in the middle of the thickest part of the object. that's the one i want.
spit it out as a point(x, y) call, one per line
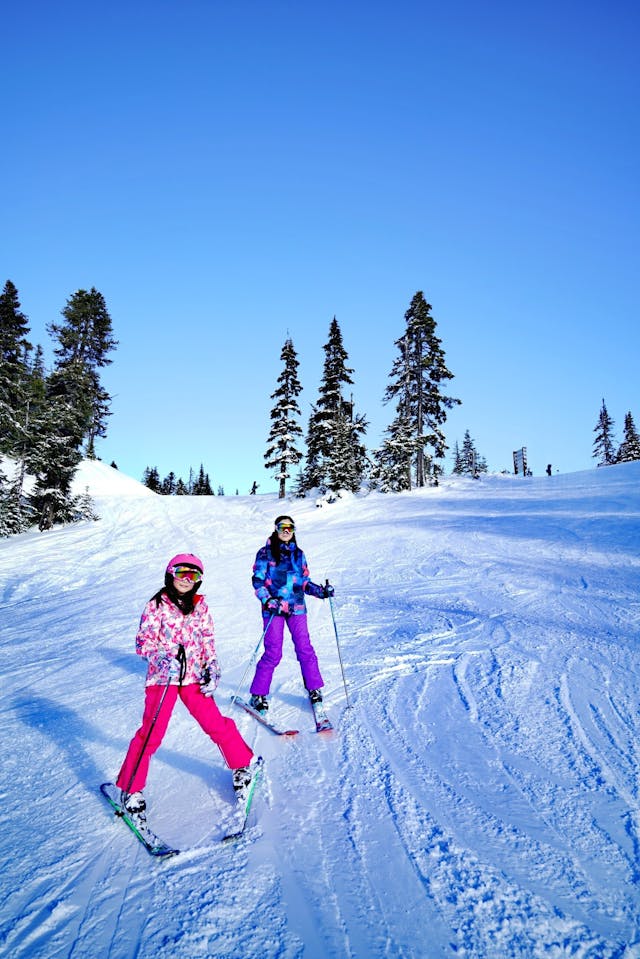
point(102, 480)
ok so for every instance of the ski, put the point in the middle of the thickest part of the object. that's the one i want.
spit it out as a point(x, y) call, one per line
point(264, 721)
point(323, 723)
point(237, 830)
point(152, 843)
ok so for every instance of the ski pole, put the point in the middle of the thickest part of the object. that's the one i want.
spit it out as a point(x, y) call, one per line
point(335, 629)
point(253, 658)
point(182, 659)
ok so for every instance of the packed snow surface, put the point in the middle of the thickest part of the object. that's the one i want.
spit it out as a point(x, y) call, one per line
point(479, 797)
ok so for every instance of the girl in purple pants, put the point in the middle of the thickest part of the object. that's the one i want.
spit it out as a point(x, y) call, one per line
point(280, 580)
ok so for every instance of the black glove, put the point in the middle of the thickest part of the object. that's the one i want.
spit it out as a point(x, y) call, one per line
point(273, 605)
point(328, 590)
point(320, 592)
point(210, 678)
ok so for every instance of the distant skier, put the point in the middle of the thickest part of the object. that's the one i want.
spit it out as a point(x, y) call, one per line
point(548, 469)
point(176, 635)
point(280, 580)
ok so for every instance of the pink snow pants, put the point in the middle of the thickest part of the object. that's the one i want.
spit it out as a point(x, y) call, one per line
point(223, 731)
point(273, 653)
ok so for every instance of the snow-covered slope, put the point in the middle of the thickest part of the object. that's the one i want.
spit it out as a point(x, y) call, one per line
point(105, 481)
point(479, 798)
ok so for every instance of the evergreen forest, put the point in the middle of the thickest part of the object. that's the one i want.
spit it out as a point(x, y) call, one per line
point(52, 418)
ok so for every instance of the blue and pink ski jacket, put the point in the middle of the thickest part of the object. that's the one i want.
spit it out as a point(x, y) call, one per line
point(287, 580)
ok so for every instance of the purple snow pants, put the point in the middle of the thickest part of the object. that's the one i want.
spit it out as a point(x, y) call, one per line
point(273, 653)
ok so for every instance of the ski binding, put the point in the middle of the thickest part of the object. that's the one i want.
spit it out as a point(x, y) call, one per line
point(261, 717)
point(323, 723)
point(237, 830)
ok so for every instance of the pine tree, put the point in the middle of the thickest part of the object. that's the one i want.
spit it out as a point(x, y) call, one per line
point(300, 489)
point(168, 486)
point(37, 383)
point(416, 378)
point(468, 454)
point(86, 338)
point(35, 400)
point(84, 508)
point(281, 453)
point(14, 357)
point(151, 479)
point(458, 466)
point(603, 445)
point(468, 461)
point(630, 446)
point(391, 471)
point(13, 517)
point(202, 486)
point(336, 456)
point(55, 446)
point(348, 463)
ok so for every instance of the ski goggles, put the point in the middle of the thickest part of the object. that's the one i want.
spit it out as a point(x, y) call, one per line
point(285, 527)
point(187, 572)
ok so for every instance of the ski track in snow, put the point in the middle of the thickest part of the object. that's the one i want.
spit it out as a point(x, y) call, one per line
point(479, 797)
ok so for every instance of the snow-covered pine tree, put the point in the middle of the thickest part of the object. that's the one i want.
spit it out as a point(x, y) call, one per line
point(457, 460)
point(300, 484)
point(391, 472)
point(630, 447)
point(416, 379)
point(86, 337)
point(13, 518)
point(604, 444)
point(468, 454)
point(14, 372)
point(282, 453)
point(336, 456)
point(37, 383)
point(84, 508)
point(56, 448)
point(349, 463)
point(468, 461)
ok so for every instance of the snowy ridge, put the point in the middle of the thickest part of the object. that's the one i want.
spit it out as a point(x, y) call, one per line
point(479, 799)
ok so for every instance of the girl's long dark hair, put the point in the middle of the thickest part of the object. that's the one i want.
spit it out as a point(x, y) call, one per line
point(184, 601)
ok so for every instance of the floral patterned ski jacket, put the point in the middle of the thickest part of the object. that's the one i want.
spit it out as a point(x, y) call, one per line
point(164, 628)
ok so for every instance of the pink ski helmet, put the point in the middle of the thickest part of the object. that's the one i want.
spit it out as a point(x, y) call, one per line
point(185, 559)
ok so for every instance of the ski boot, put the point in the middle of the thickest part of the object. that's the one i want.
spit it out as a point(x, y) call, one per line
point(135, 806)
point(243, 777)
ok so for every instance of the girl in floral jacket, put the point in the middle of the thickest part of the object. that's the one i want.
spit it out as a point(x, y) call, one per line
point(176, 635)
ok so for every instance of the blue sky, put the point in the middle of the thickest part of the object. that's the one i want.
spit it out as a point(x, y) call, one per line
point(228, 174)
